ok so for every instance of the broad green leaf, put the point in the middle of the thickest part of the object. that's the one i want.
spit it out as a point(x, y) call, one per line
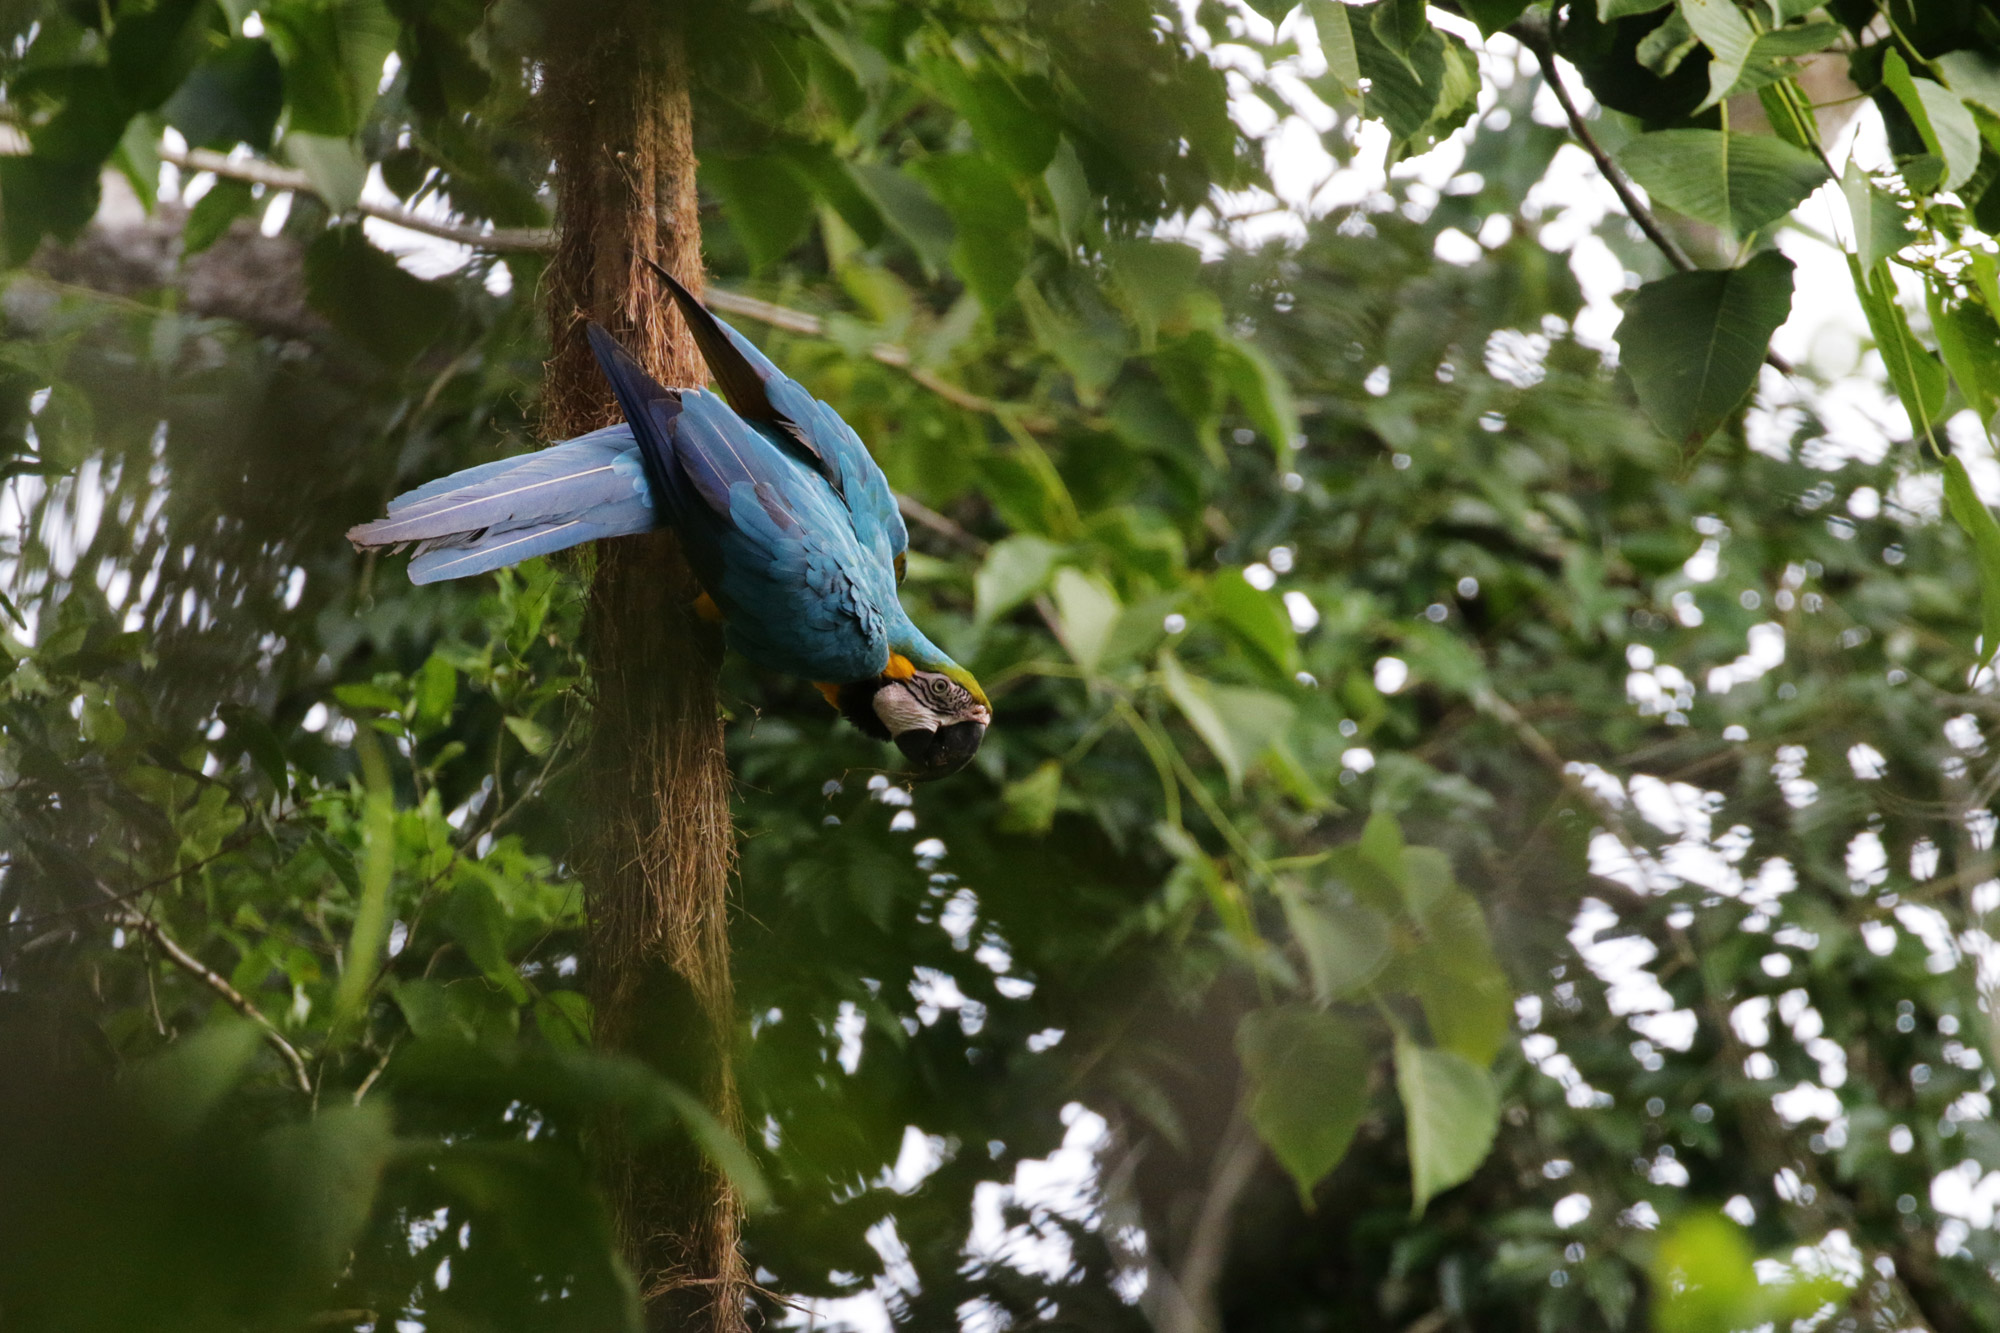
point(1009, 111)
point(1195, 699)
point(1382, 847)
point(1738, 182)
point(333, 52)
point(1420, 96)
point(1973, 75)
point(211, 215)
point(478, 923)
point(1400, 24)
point(233, 97)
point(1692, 342)
point(1336, 43)
point(1015, 569)
point(1607, 10)
point(1705, 1280)
point(437, 688)
point(1261, 391)
point(1030, 803)
point(1729, 38)
point(534, 737)
point(1451, 1111)
point(1346, 944)
point(911, 211)
point(1087, 610)
point(1880, 226)
point(370, 298)
point(1664, 48)
point(767, 204)
point(1969, 342)
point(40, 197)
point(1918, 378)
point(1256, 615)
point(989, 221)
point(181, 1086)
point(1971, 514)
point(1458, 980)
point(1493, 15)
point(330, 1167)
point(334, 166)
point(1309, 1087)
point(1948, 129)
point(1257, 719)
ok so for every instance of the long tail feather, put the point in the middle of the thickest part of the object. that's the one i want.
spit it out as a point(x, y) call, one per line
point(497, 513)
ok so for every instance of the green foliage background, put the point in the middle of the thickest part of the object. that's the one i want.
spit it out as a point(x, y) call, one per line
point(1236, 887)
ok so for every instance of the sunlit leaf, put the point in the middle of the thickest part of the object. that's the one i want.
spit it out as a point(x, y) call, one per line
point(1452, 1112)
point(1738, 182)
point(1692, 342)
point(1309, 1088)
point(1948, 129)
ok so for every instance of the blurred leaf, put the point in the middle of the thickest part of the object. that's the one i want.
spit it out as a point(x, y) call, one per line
point(232, 97)
point(1969, 342)
point(40, 197)
point(209, 219)
point(333, 52)
point(368, 297)
point(910, 209)
point(1015, 569)
point(182, 1087)
point(1346, 945)
point(1008, 111)
point(766, 204)
point(1452, 1112)
point(1258, 616)
point(1972, 515)
point(334, 166)
point(1195, 699)
point(328, 1170)
point(1030, 803)
point(1088, 610)
point(1705, 1279)
point(989, 222)
point(1309, 1075)
point(1739, 182)
point(1466, 998)
point(1692, 342)
point(1336, 42)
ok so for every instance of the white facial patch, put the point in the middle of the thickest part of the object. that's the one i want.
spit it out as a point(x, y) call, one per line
point(902, 710)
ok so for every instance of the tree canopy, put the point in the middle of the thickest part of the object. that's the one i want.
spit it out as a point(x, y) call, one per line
point(1487, 824)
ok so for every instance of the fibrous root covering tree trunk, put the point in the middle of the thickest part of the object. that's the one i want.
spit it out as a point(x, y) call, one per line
point(659, 847)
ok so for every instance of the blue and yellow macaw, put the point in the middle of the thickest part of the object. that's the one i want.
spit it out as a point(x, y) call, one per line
point(788, 523)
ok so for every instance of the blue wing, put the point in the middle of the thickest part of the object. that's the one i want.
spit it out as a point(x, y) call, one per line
point(768, 537)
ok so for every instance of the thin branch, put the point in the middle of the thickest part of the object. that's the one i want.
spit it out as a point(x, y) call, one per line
point(1230, 1173)
point(526, 240)
point(201, 972)
point(1535, 37)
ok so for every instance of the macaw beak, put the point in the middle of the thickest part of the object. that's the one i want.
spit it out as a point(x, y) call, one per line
point(941, 753)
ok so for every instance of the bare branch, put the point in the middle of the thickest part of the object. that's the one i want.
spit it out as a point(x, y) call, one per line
point(201, 972)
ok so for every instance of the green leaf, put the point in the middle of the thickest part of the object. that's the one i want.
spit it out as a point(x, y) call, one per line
point(370, 930)
point(1309, 1088)
point(989, 219)
point(1880, 226)
point(333, 52)
point(910, 211)
point(1009, 111)
point(1948, 129)
point(534, 737)
point(1452, 1112)
point(1729, 38)
point(326, 1172)
point(1607, 10)
point(1973, 75)
point(768, 206)
point(1015, 569)
point(370, 298)
point(1692, 342)
point(151, 51)
point(1195, 698)
point(1918, 378)
point(1400, 24)
point(335, 167)
point(41, 197)
point(1261, 391)
point(1969, 342)
point(437, 689)
point(1336, 43)
point(232, 97)
point(478, 922)
point(1382, 847)
point(1705, 1279)
point(1346, 944)
point(183, 1085)
point(1971, 514)
point(209, 219)
point(1738, 182)
point(1664, 48)
point(1421, 95)
point(1030, 803)
point(1464, 993)
point(1256, 615)
point(1493, 15)
point(1087, 610)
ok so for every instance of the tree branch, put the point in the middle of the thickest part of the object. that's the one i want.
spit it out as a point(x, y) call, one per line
point(201, 972)
point(1535, 36)
point(524, 240)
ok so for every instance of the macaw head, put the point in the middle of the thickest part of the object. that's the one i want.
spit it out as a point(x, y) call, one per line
point(931, 707)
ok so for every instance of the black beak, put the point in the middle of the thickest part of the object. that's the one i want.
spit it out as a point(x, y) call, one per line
point(941, 753)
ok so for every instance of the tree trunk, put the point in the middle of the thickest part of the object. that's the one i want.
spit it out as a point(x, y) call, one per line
point(659, 850)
